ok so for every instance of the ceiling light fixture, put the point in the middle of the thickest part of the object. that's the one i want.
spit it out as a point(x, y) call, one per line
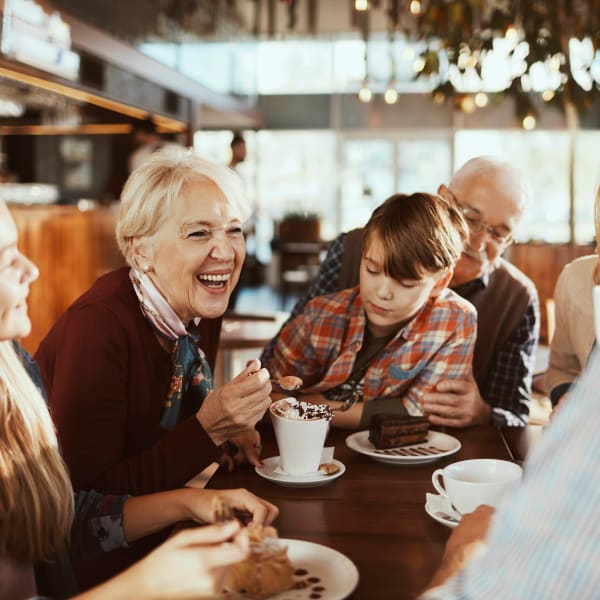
point(391, 94)
point(415, 8)
point(89, 97)
point(529, 122)
point(365, 94)
point(361, 5)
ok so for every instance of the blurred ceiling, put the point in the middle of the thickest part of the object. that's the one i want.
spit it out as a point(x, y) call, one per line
point(189, 20)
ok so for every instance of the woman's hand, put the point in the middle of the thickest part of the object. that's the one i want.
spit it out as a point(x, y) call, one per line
point(143, 515)
point(199, 505)
point(236, 407)
point(191, 564)
point(243, 447)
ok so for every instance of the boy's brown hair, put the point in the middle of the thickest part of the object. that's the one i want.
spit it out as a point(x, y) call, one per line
point(419, 232)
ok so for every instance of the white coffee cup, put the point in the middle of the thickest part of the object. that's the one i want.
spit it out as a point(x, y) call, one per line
point(300, 441)
point(470, 483)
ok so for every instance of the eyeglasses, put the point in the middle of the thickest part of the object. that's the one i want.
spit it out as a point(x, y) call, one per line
point(499, 234)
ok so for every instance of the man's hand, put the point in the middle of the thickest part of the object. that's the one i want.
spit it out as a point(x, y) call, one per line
point(456, 403)
point(467, 540)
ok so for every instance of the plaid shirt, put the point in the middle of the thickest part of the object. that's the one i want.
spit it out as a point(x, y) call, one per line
point(321, 344)
point(508, 384)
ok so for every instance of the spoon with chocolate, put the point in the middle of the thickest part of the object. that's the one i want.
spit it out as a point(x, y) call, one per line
point(288, 383)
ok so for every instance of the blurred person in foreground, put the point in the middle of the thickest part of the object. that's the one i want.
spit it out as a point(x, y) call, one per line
point(542, 542)
point(492, 195)
point(574, 335)
point(41, 518)
point(382, 346)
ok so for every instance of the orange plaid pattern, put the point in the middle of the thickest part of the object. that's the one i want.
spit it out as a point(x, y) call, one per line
point(321, 344)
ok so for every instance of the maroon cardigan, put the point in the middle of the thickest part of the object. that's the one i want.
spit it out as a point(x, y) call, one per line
point(107, 378)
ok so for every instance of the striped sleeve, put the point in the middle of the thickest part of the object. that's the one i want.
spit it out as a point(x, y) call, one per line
point(543, 542)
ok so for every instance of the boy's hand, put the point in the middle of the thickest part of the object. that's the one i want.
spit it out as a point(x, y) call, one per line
point(456, 403)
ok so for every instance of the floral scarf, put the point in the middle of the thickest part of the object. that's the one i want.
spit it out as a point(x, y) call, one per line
point(190, 366)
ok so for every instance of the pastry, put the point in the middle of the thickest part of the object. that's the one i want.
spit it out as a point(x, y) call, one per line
point(267, 570)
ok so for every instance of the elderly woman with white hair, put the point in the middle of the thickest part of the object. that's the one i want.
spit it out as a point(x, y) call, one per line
point(127, 367)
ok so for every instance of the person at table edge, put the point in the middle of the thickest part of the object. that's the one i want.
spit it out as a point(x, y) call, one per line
point(542, 542)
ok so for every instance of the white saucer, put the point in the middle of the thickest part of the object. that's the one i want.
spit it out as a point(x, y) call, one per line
point(270, 470)
point(440, 510)
point(438, 445)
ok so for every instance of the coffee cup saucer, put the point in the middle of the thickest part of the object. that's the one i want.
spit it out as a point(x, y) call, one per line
point(441, 510)
point(271, 471)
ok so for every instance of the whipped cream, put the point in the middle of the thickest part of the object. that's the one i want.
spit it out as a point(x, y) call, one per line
point(297, 410)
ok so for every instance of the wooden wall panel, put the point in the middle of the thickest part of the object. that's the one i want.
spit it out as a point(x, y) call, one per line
point(543, 264)
point(71, 248)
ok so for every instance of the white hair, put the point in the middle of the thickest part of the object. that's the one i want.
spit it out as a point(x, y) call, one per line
point(153, 188)
point(504, 174)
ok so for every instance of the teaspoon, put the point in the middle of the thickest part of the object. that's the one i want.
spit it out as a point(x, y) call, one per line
point(288, 383)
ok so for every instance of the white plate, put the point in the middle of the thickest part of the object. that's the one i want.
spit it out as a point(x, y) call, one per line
point(270, 471)
point(440, 443)
point(335, 572)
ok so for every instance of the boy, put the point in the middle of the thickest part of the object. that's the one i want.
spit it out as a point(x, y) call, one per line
point(378, 347)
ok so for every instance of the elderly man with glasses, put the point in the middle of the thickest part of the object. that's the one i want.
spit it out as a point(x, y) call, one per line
point(492, 195)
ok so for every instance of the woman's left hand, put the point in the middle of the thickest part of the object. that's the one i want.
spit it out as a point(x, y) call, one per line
point(243, 447)
point(199, 505)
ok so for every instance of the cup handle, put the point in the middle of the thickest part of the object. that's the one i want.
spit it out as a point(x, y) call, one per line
point(435, 479)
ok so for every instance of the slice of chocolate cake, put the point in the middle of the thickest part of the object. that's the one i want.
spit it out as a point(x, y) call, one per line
point(392, 431)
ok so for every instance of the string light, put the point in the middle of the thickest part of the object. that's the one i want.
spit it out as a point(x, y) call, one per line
point(547, 95)
point(415, 7)
point(391, 94)
point(529, 122)
point(365, 94)
point(467, 104)
point(481, 99)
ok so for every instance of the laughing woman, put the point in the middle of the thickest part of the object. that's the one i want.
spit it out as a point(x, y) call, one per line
point(128, 367)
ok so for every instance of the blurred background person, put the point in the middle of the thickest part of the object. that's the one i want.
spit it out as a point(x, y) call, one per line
point(146, 141)
point(238, 149)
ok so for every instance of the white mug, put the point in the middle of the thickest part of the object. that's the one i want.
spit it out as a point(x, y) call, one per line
point(300, 441)
point(470, 483)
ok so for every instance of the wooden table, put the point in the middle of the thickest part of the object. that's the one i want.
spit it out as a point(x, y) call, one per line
point(374, 513)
